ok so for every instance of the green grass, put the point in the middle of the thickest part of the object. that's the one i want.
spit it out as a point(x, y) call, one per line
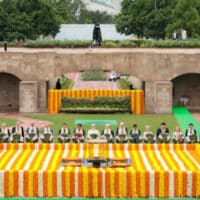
point(142, 120)
point(124, 84)
point(93, 75)
point(10, 122)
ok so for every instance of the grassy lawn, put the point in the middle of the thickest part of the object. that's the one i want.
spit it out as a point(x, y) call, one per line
point(142, 120)
point(10, 122)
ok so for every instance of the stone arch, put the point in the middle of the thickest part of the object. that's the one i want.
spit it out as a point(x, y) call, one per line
point(187, 86)
point(9, 92)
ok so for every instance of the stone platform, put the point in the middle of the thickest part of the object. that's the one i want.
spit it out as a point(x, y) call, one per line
point(35, 170)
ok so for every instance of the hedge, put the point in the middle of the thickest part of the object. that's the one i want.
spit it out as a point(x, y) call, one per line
point(124, 84)
point(93, 75)
point(98, 103)
point(191, 43)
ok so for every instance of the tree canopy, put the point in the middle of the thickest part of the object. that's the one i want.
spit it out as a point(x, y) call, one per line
point(159, 18)
point(27, 19)
point(30, 19)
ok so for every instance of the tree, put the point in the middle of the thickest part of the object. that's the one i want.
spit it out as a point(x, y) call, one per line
point(186, 16)
point(93, 17)
point(145, 18)
point(74, 11)
point(3, 22)
point(29, 19)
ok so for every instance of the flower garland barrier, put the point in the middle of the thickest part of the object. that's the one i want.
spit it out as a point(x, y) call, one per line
point(158, 170)
point(55, 97)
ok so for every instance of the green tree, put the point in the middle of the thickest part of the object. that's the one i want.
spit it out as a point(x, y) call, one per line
point(186, 16)
point(29, 19)
point(145, 18)
point(92, 17)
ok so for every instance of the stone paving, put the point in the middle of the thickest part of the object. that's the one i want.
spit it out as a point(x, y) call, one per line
point(79, 84)
point(102, 50)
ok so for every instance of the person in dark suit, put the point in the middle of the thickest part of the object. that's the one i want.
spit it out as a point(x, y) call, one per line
point(78, 134)
point(108, 133)
point(4, 133)
point(58, 84)
point(32, 134)
point(191, 133)
point(162, 130)
point(135, 134)
point(64, 134)
point(47, 136)
point(17, 135)
point(97, 37)
point(122, 133)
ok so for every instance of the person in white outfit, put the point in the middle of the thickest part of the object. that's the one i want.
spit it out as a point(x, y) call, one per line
point(122, 133)
point(108, 134)
point(177, 136)
point(93, 134)
point(148, 135)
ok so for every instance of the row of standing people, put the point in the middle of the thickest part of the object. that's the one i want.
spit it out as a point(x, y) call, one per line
point(107, 135)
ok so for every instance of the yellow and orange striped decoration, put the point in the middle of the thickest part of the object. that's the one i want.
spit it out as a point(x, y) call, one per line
point(158, 170)
point(55, 97)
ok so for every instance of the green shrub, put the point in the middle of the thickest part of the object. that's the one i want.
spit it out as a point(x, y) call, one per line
point(127, 43)
point(93, 75)
point(124, 84)
point(66, 83)
point(121, 103)
point(109, 43)
point(106, 43)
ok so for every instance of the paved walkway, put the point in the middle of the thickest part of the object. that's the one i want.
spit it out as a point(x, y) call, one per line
point(25, 120)
point(79, 84)
point(102, 50)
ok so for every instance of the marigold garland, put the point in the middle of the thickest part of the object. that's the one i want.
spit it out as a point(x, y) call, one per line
point(41, 177)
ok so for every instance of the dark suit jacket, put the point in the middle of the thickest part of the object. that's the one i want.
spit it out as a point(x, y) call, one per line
point(14, 130)
point(186, 132)
point(37, 131)
point(139, 132)
point(83, 132)
point(117, 131)
point(8, 132)
point(112, 133)
point(159, 131)
point(59, 132)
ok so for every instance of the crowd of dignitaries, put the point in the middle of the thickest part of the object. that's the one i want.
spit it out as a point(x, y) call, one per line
point(17, 134)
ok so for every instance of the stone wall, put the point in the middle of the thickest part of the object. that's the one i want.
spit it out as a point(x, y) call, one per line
point(187, 85)
point(9, 92)
point(154, 66)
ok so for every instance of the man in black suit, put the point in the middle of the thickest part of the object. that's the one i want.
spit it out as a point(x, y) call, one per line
point(4, 133)
point(32, 134)
point(135, 134)
point(191, 134)
point(17, 135)
point(162, 130)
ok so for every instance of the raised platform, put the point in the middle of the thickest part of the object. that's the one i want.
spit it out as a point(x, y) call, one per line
point(32, 170)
